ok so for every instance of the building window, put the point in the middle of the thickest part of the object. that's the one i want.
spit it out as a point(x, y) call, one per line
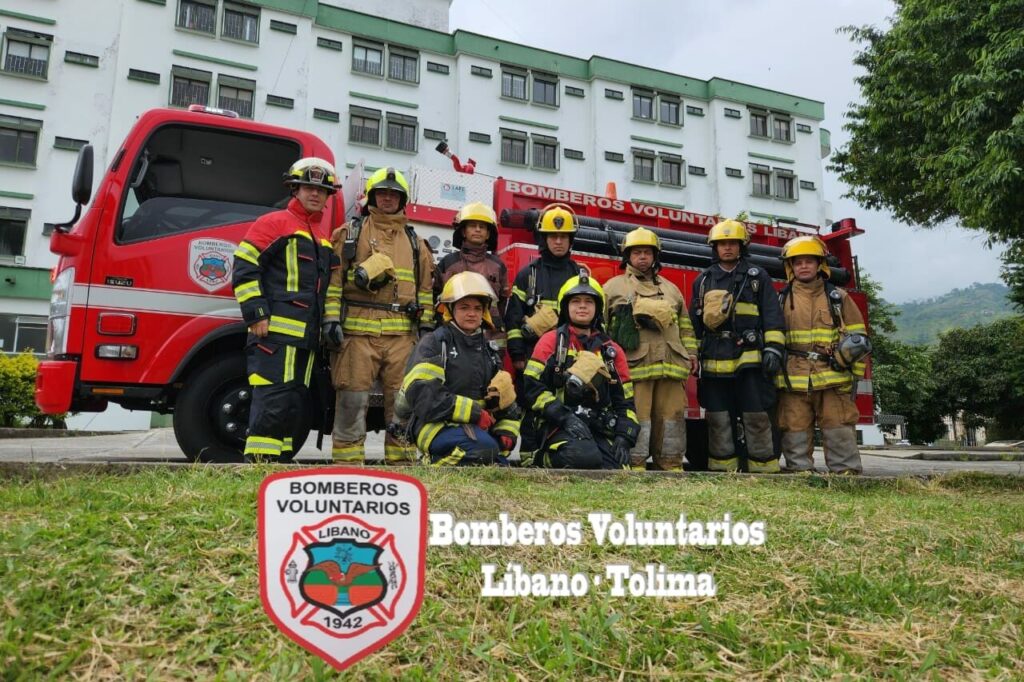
point(479, 137)
point(670, 111)
point(364, 125)
point(643, 105)
point(670, 170)
point(236, 94)
point(279, 101)
point(437, 68)
point(513, 85)
point(782, 129)
point(759, 123)
point(762, 180)
point(545, 152)
point(80, 58)
point(335, 45)
point(189, 86)
point(614, 156)
point(13, 227)
point(283, 27)
point(326, 115)
point(806, 184)
point(573, 154)
point(696, 170)
point(434, 134)
point(241, 22)
point(196, 15)
point(785, 184)
point(545, 90)
point(480, 71)
point(367, 59)
point(643, 165)
point(733, 173)
point(401, 133)
point(27, 53)
point(614, 94)
point(403, 66)
point(574, 91)
point(68, 143)
point(144, 76)
point(513, 147)
point(803, 128)
point(19, 140)
point(695, 111)
point(732, 113)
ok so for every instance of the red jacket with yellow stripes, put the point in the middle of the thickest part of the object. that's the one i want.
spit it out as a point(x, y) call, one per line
point(281, 272)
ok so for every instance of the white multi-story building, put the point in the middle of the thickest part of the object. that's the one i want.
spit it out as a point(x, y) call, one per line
point(383, 89)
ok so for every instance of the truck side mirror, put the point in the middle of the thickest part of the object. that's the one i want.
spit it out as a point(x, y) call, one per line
point(81, 186)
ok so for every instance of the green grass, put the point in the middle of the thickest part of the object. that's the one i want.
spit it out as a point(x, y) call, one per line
point(154, 575)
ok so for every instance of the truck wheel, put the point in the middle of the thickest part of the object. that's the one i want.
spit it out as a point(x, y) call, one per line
point(211, 416)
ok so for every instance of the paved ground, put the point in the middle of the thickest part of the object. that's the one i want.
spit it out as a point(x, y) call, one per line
point(158, 445)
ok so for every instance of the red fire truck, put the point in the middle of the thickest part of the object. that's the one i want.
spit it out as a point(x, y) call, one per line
point(143, 313)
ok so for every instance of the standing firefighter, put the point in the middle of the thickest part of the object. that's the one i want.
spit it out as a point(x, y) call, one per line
point(280, 279)
point(577, 382)
point(381, 300)
point(533, 309)
point(476, 238)
point(647, 316)
point(461, 405)
point(826, 343)
point(737, 319)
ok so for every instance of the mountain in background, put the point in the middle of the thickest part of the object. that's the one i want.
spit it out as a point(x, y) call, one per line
point(921, 322)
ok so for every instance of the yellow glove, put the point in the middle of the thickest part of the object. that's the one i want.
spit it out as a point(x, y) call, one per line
point(501, 390)
point(717, 307)
point(543, 320)
point(587, 365)
point(374, 272)
point(655, 309)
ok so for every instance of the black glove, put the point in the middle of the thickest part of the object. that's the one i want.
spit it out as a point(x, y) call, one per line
point(576, 428)
point(771, 361)
point(331, 334)
point(621, 451)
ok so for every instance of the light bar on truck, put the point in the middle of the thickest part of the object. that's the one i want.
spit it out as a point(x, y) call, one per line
point(203, 109)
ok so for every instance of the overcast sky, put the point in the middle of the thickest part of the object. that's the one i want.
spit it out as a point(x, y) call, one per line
point(786, 45)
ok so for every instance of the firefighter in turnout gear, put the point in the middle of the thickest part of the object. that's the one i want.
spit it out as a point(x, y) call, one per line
point(476, 237)
point(460, 403)
point(533, 308)
point(739, 325)
point(647, 316)
point(577, 382)
point(382, 300)
point(280, 277)
point(826, 344)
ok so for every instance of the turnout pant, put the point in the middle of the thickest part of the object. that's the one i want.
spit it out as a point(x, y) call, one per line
point(747, 394)
point(562, 452)
point(835, 413)
point(279, 375)
point(661, 409)
point(362, 361)
point(464, 445)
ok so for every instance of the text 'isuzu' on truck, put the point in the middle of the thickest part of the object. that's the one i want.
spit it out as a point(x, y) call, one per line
point(143, 313)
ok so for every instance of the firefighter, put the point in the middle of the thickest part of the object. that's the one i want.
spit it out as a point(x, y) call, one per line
point(533, 308)
point(476, 238)
point(577, 382)
point(280, 277)
point(826, 344)
point(738, 322)
point(459, 402)
point(647, 316)
point(382, 301)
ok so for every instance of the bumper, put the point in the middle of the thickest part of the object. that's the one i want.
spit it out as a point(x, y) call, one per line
point(55, 385)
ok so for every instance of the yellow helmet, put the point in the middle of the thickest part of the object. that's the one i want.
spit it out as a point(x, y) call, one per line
point(582, 284)
point(387, 178)
point(729, 229)
point(557, 219)
point(476, 211)
point(807, 245)
point(312, 171)
point(465, 285)
point(641, 236)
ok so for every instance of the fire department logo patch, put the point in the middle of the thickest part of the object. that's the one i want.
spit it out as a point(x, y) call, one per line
point(210, 262)
point(342, 557)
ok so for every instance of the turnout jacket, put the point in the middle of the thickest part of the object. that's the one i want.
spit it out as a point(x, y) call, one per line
point(446, 381)
point(384, 312)
point(544, 379)
point(281, 274)
point(539, 282)
point(478, 260)
point(811, 327)
point(724, 351)
point(664, 353)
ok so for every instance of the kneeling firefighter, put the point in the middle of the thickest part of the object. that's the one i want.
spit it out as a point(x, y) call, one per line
point(460, 405)
point(826, 345)
point(737, 319)
point(647, 316)
point(577, 383)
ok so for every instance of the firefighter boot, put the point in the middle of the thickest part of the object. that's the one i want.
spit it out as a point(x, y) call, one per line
point(349, 436)
point(673, 446)
point(638, 455)
point(721, 451)
point(841, 453)
point(796, 446)
point(757, 429)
